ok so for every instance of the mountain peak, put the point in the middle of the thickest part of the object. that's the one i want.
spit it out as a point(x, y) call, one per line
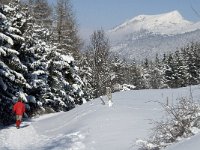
point(151, 23)
point(174, 14)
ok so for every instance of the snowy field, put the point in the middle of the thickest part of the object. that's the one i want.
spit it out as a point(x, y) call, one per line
point(94, 126)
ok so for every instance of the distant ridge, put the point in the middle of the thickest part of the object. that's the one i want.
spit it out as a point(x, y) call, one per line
point(145, 35)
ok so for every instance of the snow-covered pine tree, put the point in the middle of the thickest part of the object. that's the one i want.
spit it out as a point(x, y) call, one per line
point(180, 69)
point(85, 73)
point(145, 72)
point(52, 72)
point(136, 76)
point(175, 70)
point(12, 80)
point(32, 51)
point(36, 50)
point(126, 71)
point(169, 74)
point(156, 74)
point(197, 59)
point(192, 62)
point(63, 79)
point(66, 86)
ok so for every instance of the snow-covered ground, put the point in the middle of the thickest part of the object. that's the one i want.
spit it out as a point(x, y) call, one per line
point(187, 144)
point(94, 126)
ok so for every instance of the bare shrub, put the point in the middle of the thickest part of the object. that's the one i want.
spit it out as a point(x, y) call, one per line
point(182, 121)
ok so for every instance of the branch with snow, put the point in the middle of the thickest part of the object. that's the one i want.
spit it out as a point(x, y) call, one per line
point(183, 121)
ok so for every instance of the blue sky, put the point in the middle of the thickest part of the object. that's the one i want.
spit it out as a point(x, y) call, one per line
point(94, 14)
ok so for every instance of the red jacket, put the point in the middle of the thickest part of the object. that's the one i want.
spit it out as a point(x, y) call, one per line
point(19, 108)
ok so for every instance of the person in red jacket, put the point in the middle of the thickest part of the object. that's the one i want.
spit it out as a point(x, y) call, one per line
point(19, 109)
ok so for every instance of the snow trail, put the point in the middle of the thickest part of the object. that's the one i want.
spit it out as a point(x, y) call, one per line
point(18, 139)
point(93, 126)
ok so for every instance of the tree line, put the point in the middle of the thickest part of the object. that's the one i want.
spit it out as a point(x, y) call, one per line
point(38, 58)
point(42, 61)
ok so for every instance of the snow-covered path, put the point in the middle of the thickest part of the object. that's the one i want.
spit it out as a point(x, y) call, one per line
point(28, 137)
point(11, 138)
point(94, 126)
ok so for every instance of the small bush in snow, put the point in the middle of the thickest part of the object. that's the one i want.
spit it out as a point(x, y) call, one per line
point(183, 120)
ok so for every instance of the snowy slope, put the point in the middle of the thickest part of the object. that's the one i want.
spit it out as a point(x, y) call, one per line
point(94, 126)
point(187, 144)
point(144, 36)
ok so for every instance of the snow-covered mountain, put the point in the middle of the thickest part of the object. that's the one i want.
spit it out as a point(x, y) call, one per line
point(145, 35)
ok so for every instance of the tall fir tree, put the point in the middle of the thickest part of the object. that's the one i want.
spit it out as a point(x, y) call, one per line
point(65, 33)
point(156, 74)
point(169, 74)
point(85, 73)
point(42, 13)
point(12, 80)
point(191, 66)
point(180, 69)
